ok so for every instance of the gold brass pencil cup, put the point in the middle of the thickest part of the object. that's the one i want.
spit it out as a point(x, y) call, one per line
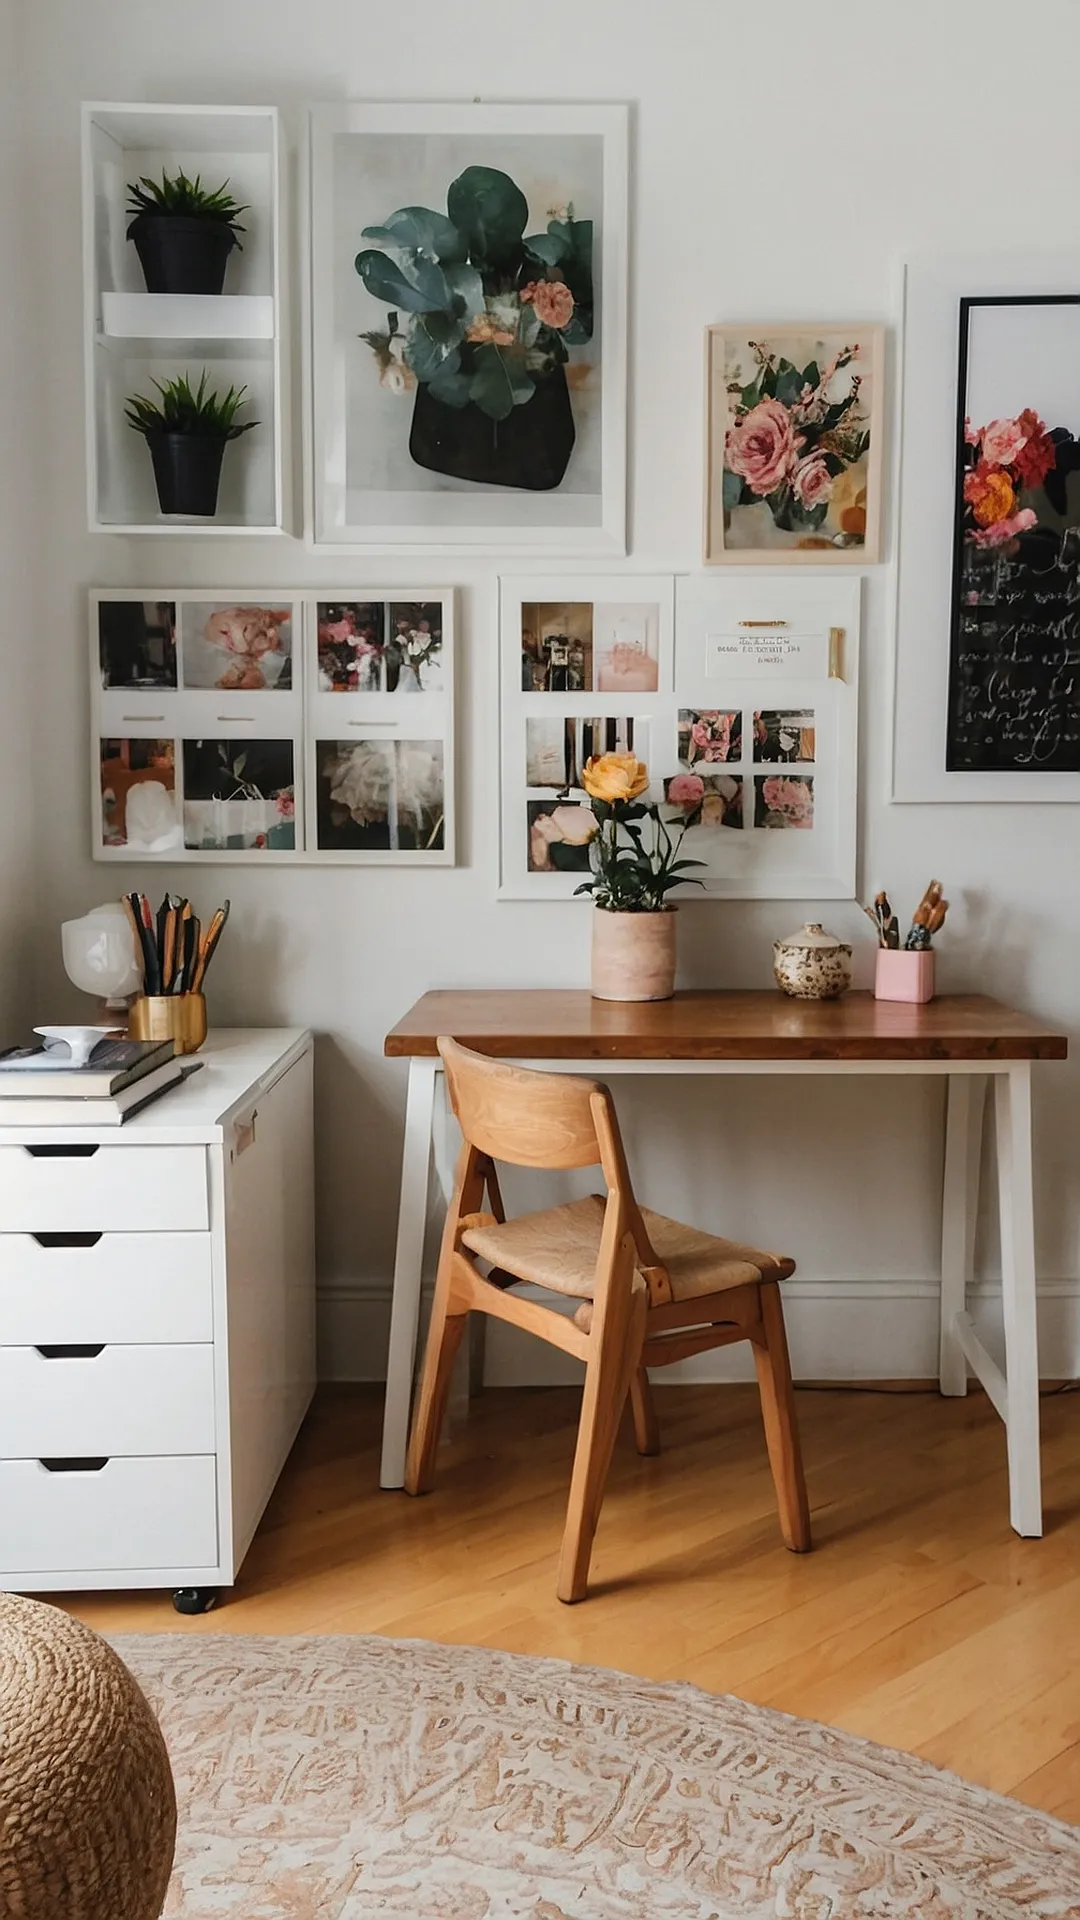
point(180, 1017)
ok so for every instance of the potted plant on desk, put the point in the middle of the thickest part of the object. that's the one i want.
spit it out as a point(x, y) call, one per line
point(186, 431)
point(183, 232)
point(635, 866)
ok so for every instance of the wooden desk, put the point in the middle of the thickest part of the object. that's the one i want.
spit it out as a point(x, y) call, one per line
point(968, 1038)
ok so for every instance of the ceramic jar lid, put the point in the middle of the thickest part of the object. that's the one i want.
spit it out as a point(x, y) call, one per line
point(813, 935)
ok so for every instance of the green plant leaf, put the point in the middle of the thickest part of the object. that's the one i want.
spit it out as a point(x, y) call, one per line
point(427, 291)
point(550, 247)
point(433, 338)
point(490, 211)
point(788, 383)
point(733, 488)
point(467, 289)
point(450, 385)
point(499, 383)
point(422, 230)
point(178, 197)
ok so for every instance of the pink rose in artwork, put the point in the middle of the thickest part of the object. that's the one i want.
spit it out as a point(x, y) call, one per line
point(971, 434)
point(792, 799)
point(711, 737)
point(812, 482)
point(762, 447)
point(686, 790)
point(1003, 530)
point(1002, 441)
point(554, 303)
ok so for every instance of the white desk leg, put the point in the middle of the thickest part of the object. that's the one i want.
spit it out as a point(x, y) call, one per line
point(966, 1101)
point(1013, 1117)
point(408, 1269)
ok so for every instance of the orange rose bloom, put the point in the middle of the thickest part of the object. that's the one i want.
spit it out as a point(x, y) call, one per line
point(989, 493)
point(614, 777)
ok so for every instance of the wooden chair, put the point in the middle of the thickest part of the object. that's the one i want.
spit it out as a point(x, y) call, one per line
point(650, 1291)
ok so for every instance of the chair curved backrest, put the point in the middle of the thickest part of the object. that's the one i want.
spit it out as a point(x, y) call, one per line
point(528, 1118)
point(554, 1120)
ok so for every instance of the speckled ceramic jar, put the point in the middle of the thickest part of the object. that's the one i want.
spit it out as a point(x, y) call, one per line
point(812, 964)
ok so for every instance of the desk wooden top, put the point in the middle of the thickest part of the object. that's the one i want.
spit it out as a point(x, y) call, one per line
point(568, 1024)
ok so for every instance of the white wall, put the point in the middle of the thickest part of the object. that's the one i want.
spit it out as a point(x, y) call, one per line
point(18, 874)
point(786, 159)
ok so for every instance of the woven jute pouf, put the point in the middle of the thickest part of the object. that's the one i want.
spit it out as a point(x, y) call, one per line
point(87, 1807)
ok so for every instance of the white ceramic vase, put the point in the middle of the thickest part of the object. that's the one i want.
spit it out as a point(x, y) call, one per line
point(633, 955)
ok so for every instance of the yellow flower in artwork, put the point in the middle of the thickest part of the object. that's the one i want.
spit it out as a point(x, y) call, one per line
point(614, 777)
point(847, 501)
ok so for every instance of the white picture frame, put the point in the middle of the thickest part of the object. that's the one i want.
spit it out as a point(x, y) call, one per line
point(782, 650)
point(634, 612)
point(175, 708)
point(933, 289)
point(364, 491)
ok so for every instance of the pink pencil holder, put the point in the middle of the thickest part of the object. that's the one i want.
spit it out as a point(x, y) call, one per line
point(904, 976)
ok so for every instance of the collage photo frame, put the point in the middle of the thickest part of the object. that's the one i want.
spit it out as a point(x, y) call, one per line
point(273, 727)
point(740, 696)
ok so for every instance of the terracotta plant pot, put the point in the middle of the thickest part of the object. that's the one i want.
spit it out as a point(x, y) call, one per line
point(633, 955)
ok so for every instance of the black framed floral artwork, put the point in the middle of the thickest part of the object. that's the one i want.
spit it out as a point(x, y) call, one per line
point(1014, 658)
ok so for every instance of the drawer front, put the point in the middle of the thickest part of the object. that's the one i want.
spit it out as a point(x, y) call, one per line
point(103, 1189)
point(113, 1287)
point(124, 1513)
point(127, 1400)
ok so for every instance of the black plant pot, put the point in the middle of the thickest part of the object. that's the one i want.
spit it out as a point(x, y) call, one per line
point(529, 449)
point(182, 255)
point(187, 468)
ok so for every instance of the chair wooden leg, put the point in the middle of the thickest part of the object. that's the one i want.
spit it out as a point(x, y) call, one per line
point(781, 1427)
point(611, 1368)
point(444, 1339)
point(646, 1424)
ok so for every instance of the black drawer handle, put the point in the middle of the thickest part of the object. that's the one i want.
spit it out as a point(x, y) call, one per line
point(67, 1239)
point(61, 1152)
point(83, 1352)
point(66, 1465)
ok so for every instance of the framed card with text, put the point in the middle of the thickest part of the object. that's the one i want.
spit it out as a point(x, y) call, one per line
point(467, 328)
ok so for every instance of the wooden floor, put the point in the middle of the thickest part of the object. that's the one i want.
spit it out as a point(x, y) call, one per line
point(920, 1620)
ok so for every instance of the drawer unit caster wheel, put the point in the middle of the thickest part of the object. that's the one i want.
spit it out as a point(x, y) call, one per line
point(195, 1599)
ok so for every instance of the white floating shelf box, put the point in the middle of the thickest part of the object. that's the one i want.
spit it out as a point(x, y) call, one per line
point(187, 317)
point(134, 337)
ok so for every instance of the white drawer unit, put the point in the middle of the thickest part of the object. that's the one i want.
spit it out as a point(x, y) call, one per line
point(157, 1327)
point(89, 1399)
point(112, 1287)
point(107, 1516)
point(71, 1186)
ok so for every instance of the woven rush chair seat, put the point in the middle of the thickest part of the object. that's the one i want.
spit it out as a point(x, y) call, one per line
point(650, 1291)
point(559, 1248)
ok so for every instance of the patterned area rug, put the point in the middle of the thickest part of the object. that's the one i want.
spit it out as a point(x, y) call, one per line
point(336, 1779)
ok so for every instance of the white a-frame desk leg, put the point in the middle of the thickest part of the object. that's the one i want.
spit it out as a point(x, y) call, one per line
point(966, 1101)
point(408, 1269)
point(1013, 1117)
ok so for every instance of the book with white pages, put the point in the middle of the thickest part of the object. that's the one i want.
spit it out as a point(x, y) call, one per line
point(97, 1110)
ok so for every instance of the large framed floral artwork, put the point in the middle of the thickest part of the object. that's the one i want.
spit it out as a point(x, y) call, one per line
point(987, 660)
point(467, 335)
point(793, 443)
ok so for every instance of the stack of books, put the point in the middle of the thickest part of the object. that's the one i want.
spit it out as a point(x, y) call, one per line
point(40, 1088)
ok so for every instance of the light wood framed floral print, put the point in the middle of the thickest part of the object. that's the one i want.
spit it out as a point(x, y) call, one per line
point(468, 328)
point(793, 443)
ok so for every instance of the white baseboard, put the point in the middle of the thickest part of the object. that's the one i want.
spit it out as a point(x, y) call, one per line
point(837, 1330)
